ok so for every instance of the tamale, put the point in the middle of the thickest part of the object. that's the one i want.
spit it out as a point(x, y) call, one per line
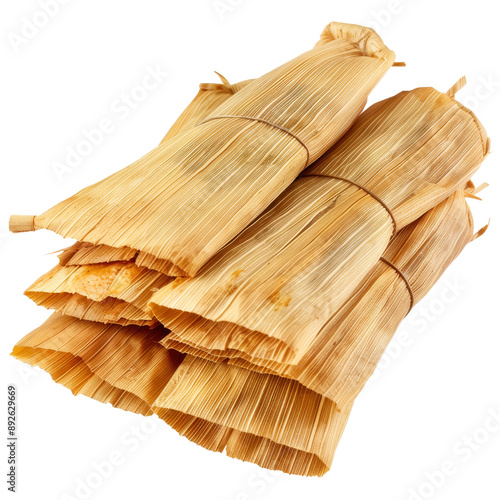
point(122, 365)
point(348, 348)
point(209, 97)
point(116, 292)
point(272, 421)
point(114, 285)
point(270, 291)
point(279, 422)
point(196, 191)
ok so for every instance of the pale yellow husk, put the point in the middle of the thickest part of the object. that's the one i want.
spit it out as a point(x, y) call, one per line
point(114, 285)
point(291, 422)
point(274, 422)
point(121, 365)
point(270, 292)
point(196, 191)
point(116, 292)
point(347, 350)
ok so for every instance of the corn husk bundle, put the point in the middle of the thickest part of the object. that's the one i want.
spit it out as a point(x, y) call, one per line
point(128, 368)
point(278, 333)
point(114, 285)
point(269, 293)
point(293, 420)
point(121, 365)
point(279, 422)
point(192, 194)
point(347, 350)
point(116, 292)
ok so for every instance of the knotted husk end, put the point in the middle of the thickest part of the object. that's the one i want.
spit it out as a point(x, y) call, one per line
point(451, 93)
point(22, 223)
point(365, 38)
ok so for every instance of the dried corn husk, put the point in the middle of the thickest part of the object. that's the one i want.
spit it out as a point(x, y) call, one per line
point(81, 253)
point(127, 367)
point(124, 366)
point(271, 291)
point(186, 199)
point(348, 348)
point(114, 285)
point(116, 292)
point(209, 97)
point(271, 421)
point(286, 422)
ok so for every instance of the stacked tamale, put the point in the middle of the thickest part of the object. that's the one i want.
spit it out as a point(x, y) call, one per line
point(242, 280)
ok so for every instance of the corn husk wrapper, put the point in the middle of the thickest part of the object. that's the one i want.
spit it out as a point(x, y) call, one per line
point(275, 421)
point(195, 192)
point(347, 350)
point(116, 292)
point(114, 285)
point(270, 292)
point(261, 408)
point(127, 367)
point(121, 365)
point(209, 97)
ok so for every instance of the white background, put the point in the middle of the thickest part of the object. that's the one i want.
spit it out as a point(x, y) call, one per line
point(441, 380)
